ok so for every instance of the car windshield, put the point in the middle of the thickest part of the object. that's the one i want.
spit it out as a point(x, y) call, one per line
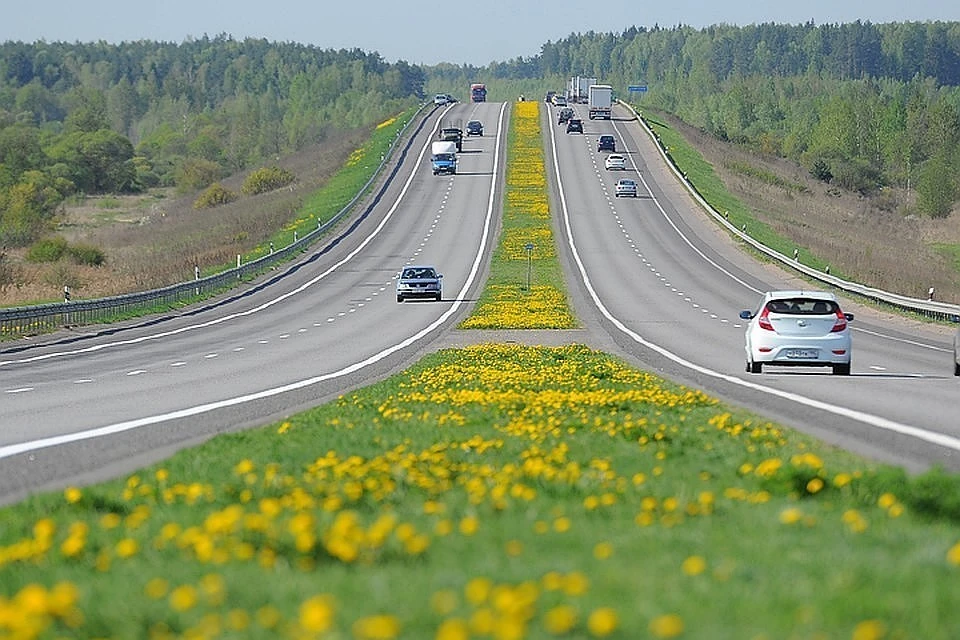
point(415, 273)
point(627, 183)
point(803, 306)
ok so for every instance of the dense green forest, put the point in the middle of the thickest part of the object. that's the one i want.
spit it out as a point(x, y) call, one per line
point(118, 118)
point(862, 106)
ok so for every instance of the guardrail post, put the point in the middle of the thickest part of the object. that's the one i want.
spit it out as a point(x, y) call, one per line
point(196, 276)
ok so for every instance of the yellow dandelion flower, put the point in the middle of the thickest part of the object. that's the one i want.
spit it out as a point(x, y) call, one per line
point(469, 525)
point(666, 626)
point(953, 555)
point(694, 565)
point(560, 620)
point(602, 622)
point(268, 617)
point(444, 602)
point(561, 524)
point(576, 584)
point(869, 630)
point(453, 629)
point(378, 627)
point(814, 485)
point(478, 590)
point(602, 550)
point(316, 614)
point(887, 500)
point(183, 598)
point(126, 548)
point(791, 515)
point(514, 548)
point(72, 495)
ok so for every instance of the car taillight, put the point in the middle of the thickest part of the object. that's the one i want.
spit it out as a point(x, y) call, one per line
point(763, 321)
point(840, 324)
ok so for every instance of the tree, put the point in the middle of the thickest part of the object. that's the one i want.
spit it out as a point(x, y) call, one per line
point(937, 188)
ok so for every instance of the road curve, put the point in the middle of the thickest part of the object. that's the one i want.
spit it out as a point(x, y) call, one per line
point(665, 285)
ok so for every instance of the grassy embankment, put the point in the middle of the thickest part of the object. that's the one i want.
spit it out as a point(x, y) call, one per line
point(495, 492)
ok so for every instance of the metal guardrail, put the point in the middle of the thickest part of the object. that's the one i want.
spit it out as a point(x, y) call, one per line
point(36, 319)
point(928, 308)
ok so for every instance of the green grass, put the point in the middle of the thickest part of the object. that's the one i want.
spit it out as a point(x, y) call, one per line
point(559, 477)
point(701, 175)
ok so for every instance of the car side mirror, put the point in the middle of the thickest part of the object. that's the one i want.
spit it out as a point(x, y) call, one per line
point(439, 275)
point(746, 315)
point(848, 316)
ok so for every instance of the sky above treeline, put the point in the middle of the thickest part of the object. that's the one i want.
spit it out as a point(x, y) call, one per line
point(421, 31)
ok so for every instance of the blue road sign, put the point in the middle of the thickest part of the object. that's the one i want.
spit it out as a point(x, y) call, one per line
point(641, 88)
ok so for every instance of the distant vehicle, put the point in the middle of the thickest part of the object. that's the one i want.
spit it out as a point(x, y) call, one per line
point(452, 134)
point(626, 188)
point(443, 157)
point(615, 162)
point(450, 98)
point(956, 353)
point(474, 128)
point(578, 89)
point(564, 115)
point(549, 97)
point(421, 281)
point(606, 143)
point(798, 328)
point(478, 92)
point(600, 101)
point(440, 99)
point(559, 100)
point(574, 125)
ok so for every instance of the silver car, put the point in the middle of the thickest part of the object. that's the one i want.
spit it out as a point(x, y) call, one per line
point(420, 281)
point(798, 328)
point(626, 187)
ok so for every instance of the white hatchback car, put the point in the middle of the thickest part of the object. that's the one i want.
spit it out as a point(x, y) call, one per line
point(615, 162)
point(798, 328)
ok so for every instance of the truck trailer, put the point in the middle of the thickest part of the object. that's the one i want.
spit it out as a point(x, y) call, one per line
point(600, 101)
point(578, 90)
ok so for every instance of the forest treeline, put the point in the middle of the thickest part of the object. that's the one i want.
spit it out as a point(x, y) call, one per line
point(118, 118)
point(862, 106)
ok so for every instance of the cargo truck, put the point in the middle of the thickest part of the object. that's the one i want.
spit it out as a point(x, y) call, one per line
point(478, 92)
point(578, 91)
point(600, 101)
point(443, 157)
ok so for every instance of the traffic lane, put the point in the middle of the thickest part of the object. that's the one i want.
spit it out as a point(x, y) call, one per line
point(288, 328)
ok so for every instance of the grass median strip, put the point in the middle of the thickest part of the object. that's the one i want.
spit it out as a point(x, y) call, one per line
point(525, 289)
point(496, 491)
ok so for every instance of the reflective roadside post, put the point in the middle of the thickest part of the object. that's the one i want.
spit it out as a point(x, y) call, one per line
point(529, 248)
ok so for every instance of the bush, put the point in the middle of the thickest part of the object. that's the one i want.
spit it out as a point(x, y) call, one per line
point(47, 249)
point(196, 173)
point(214, 196)
point(267, 179)
point(87, 255)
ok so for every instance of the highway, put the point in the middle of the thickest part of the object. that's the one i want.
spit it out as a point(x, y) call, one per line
point(651, 278)
point(76, 408)
point(666, 285)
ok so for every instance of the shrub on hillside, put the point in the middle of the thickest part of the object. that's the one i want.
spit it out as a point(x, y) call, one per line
point(196, 173)
point(214, 196)
point(267, 179)
point(87, 255)
point(47, 249)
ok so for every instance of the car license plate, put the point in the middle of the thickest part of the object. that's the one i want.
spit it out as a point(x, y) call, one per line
point(802, 354)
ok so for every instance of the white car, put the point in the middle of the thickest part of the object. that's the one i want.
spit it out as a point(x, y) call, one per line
point(798, 328)
point(615, 162)
point(440, 99)
point(626, 188)
point(419, 281)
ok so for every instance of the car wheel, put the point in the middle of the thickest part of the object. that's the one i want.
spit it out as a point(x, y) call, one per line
point(754, 367)
point(399, 298)
point(438, 297)
point(841, 369)
point(956, 368)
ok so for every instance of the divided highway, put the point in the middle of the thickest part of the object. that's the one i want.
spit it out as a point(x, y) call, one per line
point(651, 278)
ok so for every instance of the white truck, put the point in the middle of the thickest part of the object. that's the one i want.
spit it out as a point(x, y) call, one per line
point(578, 91)
point(600, 101)
point(443, 157)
